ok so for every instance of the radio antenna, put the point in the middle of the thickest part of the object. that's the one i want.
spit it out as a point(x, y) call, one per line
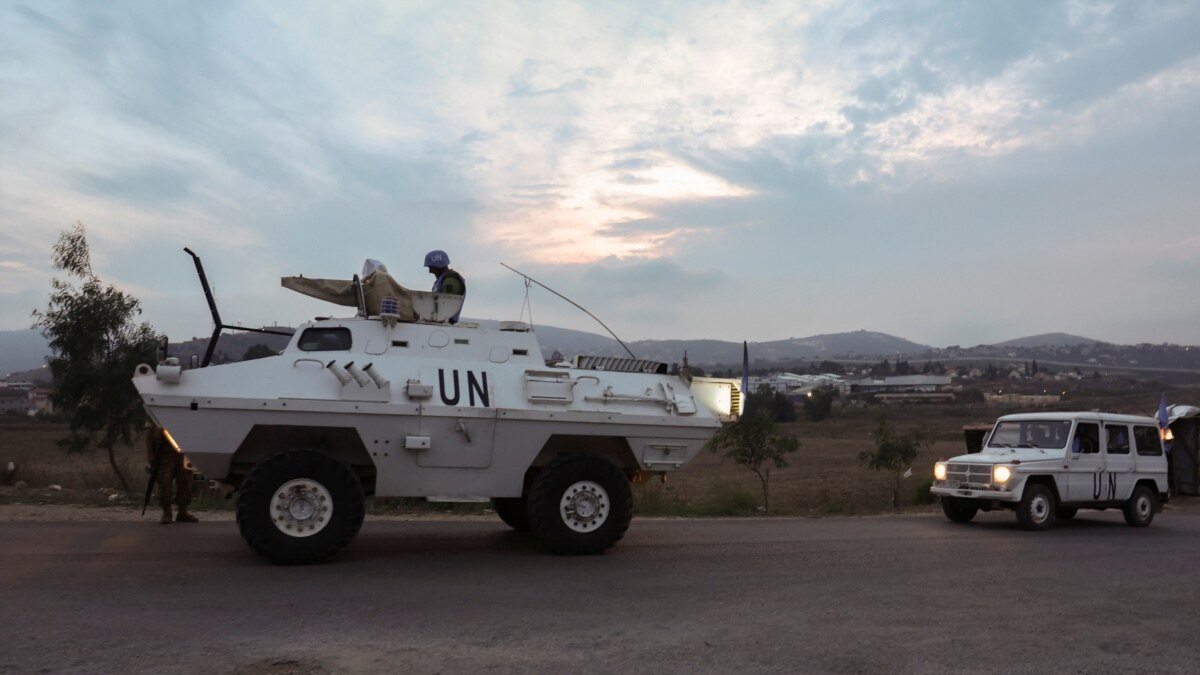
point(576, 304)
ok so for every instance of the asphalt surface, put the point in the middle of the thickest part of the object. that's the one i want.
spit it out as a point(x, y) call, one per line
point(887, 594)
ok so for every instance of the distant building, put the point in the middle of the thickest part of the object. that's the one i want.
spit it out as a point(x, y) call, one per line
point(900, 384)
point(1022, 400)
point(14, 400)
point(793, 385)
point(40, 403)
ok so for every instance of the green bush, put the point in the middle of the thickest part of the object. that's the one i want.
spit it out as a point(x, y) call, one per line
point(923, 495)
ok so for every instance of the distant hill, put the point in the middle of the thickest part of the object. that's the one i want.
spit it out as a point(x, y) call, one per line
point(1048, 340)
point(26, 350)
point(712, 352)
point(22, 350)
point(39, 376)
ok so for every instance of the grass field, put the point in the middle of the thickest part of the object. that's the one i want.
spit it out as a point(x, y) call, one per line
point(824, 476)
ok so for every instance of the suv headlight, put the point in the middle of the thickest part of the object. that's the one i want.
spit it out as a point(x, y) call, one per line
point(1001, 474)
point(939, 471)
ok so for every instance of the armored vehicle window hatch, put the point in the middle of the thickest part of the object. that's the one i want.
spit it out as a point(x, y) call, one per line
point(325, 340)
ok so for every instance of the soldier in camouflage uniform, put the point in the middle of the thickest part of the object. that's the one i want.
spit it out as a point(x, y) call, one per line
point(173, 479)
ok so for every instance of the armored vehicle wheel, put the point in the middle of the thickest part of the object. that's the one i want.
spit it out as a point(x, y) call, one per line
point(300, 507)
point(1139, 510)
point(959, 510)
point(1036, 509)
point(580, 505)
point(514, 511)
point(1065, 512)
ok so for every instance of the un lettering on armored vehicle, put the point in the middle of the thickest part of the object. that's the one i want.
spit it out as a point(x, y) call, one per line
point(395, 401)
point(1048, 466)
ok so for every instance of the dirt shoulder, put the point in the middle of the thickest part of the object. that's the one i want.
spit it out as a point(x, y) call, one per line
point(49, 513)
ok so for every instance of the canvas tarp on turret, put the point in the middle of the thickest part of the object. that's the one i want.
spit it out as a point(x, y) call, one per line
point(375, 286)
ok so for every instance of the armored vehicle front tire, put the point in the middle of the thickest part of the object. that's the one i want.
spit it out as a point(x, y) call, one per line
point(580, 505)
point(959, 510)
point(514, 511)
point(1035, 511)
point(300, 506)
point(1139, 510)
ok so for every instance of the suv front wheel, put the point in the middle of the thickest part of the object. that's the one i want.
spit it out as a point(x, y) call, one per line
point(1036, 509)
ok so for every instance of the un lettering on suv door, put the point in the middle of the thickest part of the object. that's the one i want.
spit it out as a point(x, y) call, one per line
point(1086, 464)
point(1117, 483)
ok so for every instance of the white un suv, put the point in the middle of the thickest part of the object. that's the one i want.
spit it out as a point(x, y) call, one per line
point(1047, 466)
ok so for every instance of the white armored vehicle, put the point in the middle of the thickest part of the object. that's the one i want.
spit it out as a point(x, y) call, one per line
point(398, 402)
point(1047, 466)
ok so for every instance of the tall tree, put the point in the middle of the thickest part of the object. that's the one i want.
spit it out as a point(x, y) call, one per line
point(755, 442)
point(96, 345)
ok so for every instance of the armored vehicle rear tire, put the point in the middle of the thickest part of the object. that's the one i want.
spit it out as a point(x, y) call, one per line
point(1139, 510)
point(959, 510)
point(580, 505)
point(514, 511)
point(1036, 508)
point(299, 507)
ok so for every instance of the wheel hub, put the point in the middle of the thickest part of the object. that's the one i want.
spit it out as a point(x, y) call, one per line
point(1040, 509)
point(301, 507)
point(584, 506)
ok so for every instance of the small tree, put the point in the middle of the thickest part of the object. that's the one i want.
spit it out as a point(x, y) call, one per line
point(818, 404)
point(894, 451)
point(96, 345)
point(777, 403)
point(258, 351)
point(755, 443)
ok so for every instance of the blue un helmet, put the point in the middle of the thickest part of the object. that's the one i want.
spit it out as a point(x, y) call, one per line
point(437, 259)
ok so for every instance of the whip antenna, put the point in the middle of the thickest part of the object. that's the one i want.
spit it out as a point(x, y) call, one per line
point(580, 307)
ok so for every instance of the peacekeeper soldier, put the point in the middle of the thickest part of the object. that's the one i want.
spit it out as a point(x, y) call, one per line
point(173, 479)
point(447, 280)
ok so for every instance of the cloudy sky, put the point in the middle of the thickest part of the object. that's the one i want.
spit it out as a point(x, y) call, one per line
point(950, 172)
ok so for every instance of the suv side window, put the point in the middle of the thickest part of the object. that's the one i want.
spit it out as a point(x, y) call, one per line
point(1087, 438)
point(1118, 439)
point(1147, 441)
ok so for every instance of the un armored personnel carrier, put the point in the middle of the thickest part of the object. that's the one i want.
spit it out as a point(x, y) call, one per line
point(396, 401)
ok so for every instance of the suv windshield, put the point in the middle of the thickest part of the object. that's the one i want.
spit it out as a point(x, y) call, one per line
point(1031, 434)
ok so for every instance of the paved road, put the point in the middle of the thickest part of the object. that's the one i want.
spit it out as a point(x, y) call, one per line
point(880, 594)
